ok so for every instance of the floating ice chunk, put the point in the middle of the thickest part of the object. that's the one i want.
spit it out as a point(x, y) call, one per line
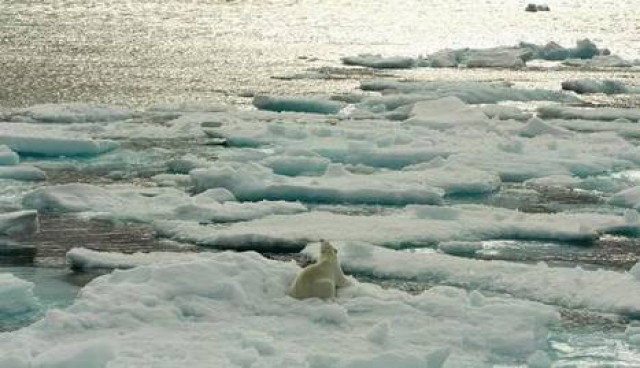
point(585, 49)
point(502, 112)
point(445, 113)
point(19, 223)
point(168, 314)
point(555, 181)
point(22, 172)
point(76, 113)
point(190, 106)
point(298, 104)
point(454, 179)
point(460, 248)
point(536, 127)
point(146, 205)
point(16, 295)
point(86, 259)
point(552, 51)
point(187, 163)
point(380, 62)
point(255, 182)
point(622, 127)
point(627, 198)
point(504, 57)
point(172, 180)
point(55, 146)
point(469, 92)
point(585, 86)
point(444, 59)
point(413, 225)
point(603, 113)
point(8, 157)
point(297, 162)
point(599, 61)
point(605, 291)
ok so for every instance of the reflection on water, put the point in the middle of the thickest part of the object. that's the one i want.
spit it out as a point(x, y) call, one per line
point(151, 51)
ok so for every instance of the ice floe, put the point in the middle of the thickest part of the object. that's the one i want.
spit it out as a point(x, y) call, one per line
point(19, 222)
point(16, 296)
point(8, 157)
point(298, 104)
point(601, 113)
point(170, 314)
point(74, 113)
point(146, 205)
point(55, 146)
point(253, 182)
point(469, 92)
point(22, 172)
point(380, 62)
point(599, 290)
point(87, 259)
point(411, 226)
point(585, 86)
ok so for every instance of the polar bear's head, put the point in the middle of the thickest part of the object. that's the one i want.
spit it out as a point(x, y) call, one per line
point(327, 250)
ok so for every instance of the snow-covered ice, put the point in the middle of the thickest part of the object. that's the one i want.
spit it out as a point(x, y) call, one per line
point(16, 296)
point(380, 62)
point(599, 290)
point(585, 86)
point(146, 205)
point(231, 309)
point(411, 226)
point(55, 146)
point(19, 222)
point(74, 113)
point(585, 113)
point(22, 172)
point(8, 157)
point(298, 104)
point(254, 182)
point(86, 259)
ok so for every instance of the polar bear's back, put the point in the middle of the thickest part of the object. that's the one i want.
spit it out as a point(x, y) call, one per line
point(315, 281)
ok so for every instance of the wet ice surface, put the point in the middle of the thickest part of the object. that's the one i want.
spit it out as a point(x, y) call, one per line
point(561, 191)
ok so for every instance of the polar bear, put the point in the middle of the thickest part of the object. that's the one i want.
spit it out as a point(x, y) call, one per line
point(320, 279)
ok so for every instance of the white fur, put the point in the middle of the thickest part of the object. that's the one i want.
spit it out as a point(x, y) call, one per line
point(320, 279)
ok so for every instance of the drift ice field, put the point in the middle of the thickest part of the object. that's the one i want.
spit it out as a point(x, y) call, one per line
point(167, 169)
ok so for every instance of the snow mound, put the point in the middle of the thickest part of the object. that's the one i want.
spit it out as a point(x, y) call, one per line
point(16, 296)
point(19, 223)
point(298, 104)
point(605, 291)
point(414, 225)
point(380, 62)
point(169, 315)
